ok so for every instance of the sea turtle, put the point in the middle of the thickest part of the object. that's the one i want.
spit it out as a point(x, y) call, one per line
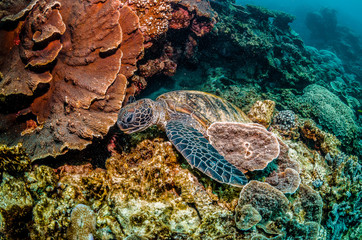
point(186, 116)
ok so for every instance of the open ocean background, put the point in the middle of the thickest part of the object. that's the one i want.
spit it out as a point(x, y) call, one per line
point(348, 12)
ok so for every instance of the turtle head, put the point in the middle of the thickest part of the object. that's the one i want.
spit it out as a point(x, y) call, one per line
point(137, 116)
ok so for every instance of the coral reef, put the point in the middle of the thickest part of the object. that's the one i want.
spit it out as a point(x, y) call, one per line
point(262, 112)
point(75, 82)
point(327, 33)
point(276, 60)
point(15, 207)
point(147, 192)
point(333, 114)
point(58, 81)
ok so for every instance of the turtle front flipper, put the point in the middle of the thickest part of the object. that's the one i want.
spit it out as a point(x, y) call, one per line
point(201, 154)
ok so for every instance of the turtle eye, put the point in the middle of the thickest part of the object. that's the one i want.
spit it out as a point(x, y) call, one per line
point(129, 117)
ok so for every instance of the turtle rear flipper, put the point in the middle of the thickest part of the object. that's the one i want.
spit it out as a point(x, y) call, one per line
point(199, 153)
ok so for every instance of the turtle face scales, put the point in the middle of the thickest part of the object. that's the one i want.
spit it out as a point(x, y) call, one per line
point(137, 116)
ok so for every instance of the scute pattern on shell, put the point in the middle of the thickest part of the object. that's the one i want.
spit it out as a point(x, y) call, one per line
point(203, 106)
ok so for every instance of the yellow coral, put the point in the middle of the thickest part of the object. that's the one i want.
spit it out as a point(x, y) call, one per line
point(13, 159)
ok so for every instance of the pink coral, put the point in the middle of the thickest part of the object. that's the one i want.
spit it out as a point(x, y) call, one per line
point(249, 146)
point(287, 181)
point(181, 18)
point(286, 178)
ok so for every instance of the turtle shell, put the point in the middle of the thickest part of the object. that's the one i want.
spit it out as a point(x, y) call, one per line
point(205, 108)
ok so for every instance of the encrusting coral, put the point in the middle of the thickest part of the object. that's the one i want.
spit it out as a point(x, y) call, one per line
point(15, 206)
point(12, 10)
point(262, 112)
point(286, 177)
point(276, 215)
point(249, 147)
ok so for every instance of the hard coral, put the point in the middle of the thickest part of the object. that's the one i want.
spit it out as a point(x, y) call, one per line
point(15, 207)
point(75, 81)
point(268, 201)
point(83, 223)
point(181, 18)
point(246, 217)
point(154, 17)
point(165, 64)
point(249, 147)
point(13, 159)
point(286, 178)
point(322, 141)
point(42, 180)
point(287, 181)
point(333, 115)
point(285, 120)
point(299, 219)
point(12, 10)
point(262, 112)
point(159, 20)
point(51, 217)
point(93, 182)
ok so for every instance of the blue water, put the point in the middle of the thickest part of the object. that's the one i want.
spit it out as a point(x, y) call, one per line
point(348, 12)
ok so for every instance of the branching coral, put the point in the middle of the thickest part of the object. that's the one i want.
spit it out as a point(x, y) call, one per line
point(75, 81)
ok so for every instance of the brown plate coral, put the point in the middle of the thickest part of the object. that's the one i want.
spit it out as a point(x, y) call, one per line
point(63, 75)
